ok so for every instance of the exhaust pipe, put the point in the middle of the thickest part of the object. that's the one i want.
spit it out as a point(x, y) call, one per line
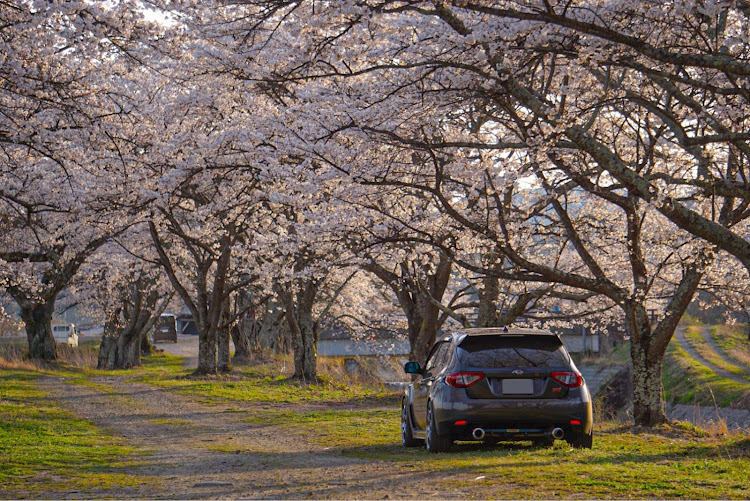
point(558, 433)
point(478, 433)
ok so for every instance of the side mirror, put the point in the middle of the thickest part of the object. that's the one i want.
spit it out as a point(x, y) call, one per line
point(412, 368)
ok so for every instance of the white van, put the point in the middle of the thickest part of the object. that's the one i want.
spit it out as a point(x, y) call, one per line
point(65, 334)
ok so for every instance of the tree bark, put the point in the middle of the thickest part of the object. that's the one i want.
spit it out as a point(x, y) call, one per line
point(241, 340)
point(434, 287)
point(648, 408)
point(208, 307)
point(648, 344)
point(146, 347)
point(422, 315)
point(206, 351)
point(299, 315)
point(222, 345)
point(37, 317)
point(273, 330)
point(489, 294)
point(243, 332)
point(126, 327)
point(428, 330)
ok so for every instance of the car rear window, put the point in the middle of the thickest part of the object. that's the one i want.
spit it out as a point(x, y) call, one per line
point(513, 351)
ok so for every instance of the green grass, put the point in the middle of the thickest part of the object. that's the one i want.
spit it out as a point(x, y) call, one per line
point(694, 336)
point(733, 340)
point(667, 462)
point(687, 381)
point(621, 464)
point(263, 384)
point(337, 428)
point(44, 448)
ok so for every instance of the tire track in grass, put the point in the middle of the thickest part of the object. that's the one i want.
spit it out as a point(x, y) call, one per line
point(685, 345)
point(708, 338)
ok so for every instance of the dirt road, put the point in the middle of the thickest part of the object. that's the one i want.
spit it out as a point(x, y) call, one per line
point(201, 451)
point(187, 347)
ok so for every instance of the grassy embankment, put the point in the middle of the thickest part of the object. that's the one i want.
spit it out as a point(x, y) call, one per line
point(42, 446)
point(732, 339)
point(687, 381)
point(694, 336)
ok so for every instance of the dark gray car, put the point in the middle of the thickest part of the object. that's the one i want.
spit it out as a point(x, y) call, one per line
point(165, 329)
point(494, 385)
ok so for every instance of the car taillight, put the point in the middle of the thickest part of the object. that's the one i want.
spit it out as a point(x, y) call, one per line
point(463, 379)
point(567, 379)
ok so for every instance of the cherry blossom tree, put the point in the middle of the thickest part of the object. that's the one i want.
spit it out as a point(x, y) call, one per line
point(505, 106)
point(122, 288)
point(56, 108)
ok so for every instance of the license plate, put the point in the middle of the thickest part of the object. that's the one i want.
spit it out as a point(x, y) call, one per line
point(518, 386)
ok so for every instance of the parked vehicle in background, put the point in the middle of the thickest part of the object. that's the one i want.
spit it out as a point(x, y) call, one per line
point(495, 385)
point(165, 329)
point(65, 334)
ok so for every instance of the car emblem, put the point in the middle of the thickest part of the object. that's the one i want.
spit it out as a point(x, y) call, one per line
point(518, 371)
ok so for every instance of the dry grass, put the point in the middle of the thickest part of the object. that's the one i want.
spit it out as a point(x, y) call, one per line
point(15, 355)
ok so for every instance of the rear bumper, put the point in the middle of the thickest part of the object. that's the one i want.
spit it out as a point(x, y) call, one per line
point(513, 419)
point(164, 336)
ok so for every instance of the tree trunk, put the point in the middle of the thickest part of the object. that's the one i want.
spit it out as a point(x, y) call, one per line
point(120, 349)
point(129, 350)
point(37, 318)
point(299, 316)
point(222, 343)
point(206, 351)
point(303, 342)
point(108, 347)
point(414, 326)
point(307, 371)
point(243, 332)
point(428, 330)
point(126, 328)
point(648, 407)
point(648, 360)
point(433, 288)
point(273, 329)
point(146, 347)
point(121, 346)
point(241, 340)
point(488, 297)
point(207, 308)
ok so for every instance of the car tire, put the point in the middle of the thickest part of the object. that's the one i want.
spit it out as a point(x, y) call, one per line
point(407, 435)
point(582, 440)
point(434, 441)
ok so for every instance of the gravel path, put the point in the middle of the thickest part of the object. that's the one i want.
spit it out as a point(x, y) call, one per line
point(200, 451)
point(187, 347)
point(181, 434)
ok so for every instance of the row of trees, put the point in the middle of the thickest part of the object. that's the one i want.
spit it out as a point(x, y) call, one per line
point(379, 164)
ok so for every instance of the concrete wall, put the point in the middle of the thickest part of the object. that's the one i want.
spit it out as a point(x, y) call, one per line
point(574, 344)
point(364, 347)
